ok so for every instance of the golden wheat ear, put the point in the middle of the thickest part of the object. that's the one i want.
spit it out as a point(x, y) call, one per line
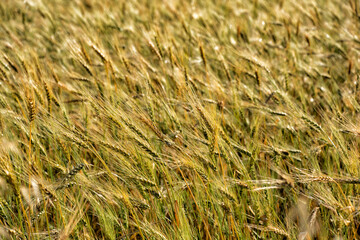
point(31, 108)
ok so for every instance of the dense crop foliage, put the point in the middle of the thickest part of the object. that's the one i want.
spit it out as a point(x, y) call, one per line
point(179, 119)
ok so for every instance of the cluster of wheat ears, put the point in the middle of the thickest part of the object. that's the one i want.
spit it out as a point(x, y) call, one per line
point(197, 119)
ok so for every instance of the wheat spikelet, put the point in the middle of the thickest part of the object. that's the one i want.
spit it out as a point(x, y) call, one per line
point(158, 45)
point(112, 70)
point(293, 150)
point(148, 165)
point(65, 185)
point(4, 203)
point(39, 96)
point(201, 173)
point(31, 108)
point(195, 168)
point(277, 231)
point(85, 54)
point(129, 83)
point(225, 207)
point(73, 172)
point(207, 123)
point(187, 31)
point(312, 124)
point(224, 136)
point(48, 95)
point(272, 94)
point(114, 120)
point(25, 66)
point(277, 113)
point(99, 53)
point(126, 200)
point(239, 183)
point(80, 135)
point(127, 65)
point(54, 75)
point(313, 217)
point(241, 150)
point(224, 155)
point(350, 66)
point(134, 129)
point(206, 162)
point(322, 179)
point(14, 184)
point(226, 69)
point(144, 181)
point(153, 192)
point(39, 73)
point(142, 205)
point(52, 234)
point(76, 140)
point(213, 142)
point(257, 78)
point(3, 73)
point(158, 133)
point(115, 148)
point(146, 149)
point(269, 229)
point(171, 57)
point(186, 77)
point(202, 53)
point(227, 194)
point(139, 187)
point(154, 50)
point(205, 142)
point(100, 87)
point(56, 102)
point(86, 67)
point(12, 65)
point(79, 100)
point(345, 180)
point(81, 79)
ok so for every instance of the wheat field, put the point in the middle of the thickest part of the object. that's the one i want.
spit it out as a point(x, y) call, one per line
point(197, 119)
